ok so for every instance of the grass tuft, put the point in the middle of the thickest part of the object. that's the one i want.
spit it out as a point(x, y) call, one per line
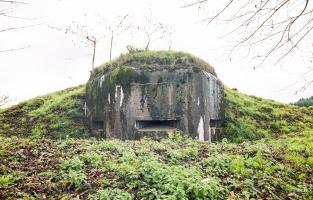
point(155, 60)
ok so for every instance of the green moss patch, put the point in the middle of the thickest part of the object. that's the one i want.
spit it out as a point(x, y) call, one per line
point(118, 76)
point(155, 60)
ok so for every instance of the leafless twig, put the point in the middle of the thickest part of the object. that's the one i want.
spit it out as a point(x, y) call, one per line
point(12, 2)
point(282, 23)
point(155, 31)
point(14, 49)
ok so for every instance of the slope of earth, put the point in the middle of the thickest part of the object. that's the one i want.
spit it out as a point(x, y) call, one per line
point(271, 159)
point(173, 168)
point(58, 114)
point(61, 114)
point(250, 117)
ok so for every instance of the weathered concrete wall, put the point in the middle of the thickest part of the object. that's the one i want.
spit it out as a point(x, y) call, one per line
point(127, 101)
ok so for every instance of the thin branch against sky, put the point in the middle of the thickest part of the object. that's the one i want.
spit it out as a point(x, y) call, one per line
point(282, 25)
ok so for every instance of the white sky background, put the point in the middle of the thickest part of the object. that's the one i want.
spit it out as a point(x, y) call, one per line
point(53, 61)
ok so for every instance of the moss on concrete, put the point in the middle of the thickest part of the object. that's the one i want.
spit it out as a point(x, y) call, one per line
point(155, 60)
point(122, 76)
point(118, 76)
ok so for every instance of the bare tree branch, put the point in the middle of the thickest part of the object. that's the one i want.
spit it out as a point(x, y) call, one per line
point(194, 3)
point(16, 28)
point(92, 37)
point(83, 31)
point(154, 31)
point(276, 21)
point(12, 2)
point(265, 28)
point(14, 49)
point(117, 28)
point(4, 13)
point(220, 12)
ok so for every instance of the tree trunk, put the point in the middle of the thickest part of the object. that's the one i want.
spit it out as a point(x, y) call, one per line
point(94, 53)
point(111, 44)
point(148, 42)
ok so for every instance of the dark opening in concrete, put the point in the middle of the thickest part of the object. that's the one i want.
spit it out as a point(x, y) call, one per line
point(215, 123)
point(97, 124)
point(157, 124)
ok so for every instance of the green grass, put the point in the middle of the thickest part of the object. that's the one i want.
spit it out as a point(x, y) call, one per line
point(6, 180)
point(250, 117)
point(147, 169)
point(46, 152)
point(59, 114)
point(155, 59)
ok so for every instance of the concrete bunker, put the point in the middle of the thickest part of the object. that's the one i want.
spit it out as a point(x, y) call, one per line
point(151, 93)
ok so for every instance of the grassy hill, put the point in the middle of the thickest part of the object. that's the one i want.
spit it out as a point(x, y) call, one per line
point(250, 117)
point(46, 152)
point(61, 114)
point(58, 115)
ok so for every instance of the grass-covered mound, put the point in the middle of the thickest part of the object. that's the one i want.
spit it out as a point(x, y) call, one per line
point(250, 117)
point(58, 114)
point(61, 114)
point(155, 59)
point(35, 166)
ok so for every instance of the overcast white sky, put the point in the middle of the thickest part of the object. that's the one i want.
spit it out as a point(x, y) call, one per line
point(53, 61)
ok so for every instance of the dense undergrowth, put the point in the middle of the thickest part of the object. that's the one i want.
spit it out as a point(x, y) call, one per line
point(45, 152)
point(174, 168)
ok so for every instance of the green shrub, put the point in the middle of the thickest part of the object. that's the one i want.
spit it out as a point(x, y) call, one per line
point(295, 159)
point(159, 181)
point(305, 102)
point(217, 164)
point(257, 161)
point(189, 152)
point(6, 180)
point(110, 194)
point(72, 164)
point(92, 158)
point(244, 129)
point(310, 161)
point(74, 178)
point(38, 131)
point(237, 166)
